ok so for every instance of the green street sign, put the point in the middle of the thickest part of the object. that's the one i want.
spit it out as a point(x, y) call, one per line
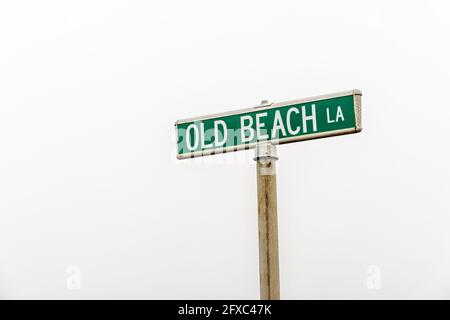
point(284, 122)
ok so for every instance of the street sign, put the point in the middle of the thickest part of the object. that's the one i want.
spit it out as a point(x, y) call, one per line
point(262, 127)
point(284, 122)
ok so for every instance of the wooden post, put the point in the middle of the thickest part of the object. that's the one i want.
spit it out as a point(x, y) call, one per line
point(265, 157)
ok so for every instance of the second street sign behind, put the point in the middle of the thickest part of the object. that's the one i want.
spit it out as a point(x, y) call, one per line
point(284, 122)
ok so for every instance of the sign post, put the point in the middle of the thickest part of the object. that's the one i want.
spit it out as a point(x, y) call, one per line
point(262, 127)
point(269, 275)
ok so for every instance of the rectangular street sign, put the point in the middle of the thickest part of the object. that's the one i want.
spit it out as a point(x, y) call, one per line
point(283, 122)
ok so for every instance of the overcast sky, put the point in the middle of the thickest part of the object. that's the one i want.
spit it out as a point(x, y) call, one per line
point(94, 203)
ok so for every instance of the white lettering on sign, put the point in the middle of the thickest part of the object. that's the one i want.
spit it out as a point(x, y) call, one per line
point(219, 143)
point(260, 125)
point(312, 118)
point(288, 121)
point(278, 125)
point(247, 128)
point(188, 137)
point(203, 138)
point(328, 116)
point(339, 115)
point(254, 127)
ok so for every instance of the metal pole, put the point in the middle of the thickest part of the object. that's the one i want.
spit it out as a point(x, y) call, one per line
point(265, 157)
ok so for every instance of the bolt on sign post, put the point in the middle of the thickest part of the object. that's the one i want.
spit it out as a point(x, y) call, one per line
point(263, 127)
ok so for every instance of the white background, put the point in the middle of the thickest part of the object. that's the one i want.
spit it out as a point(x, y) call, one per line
point(89, 92)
